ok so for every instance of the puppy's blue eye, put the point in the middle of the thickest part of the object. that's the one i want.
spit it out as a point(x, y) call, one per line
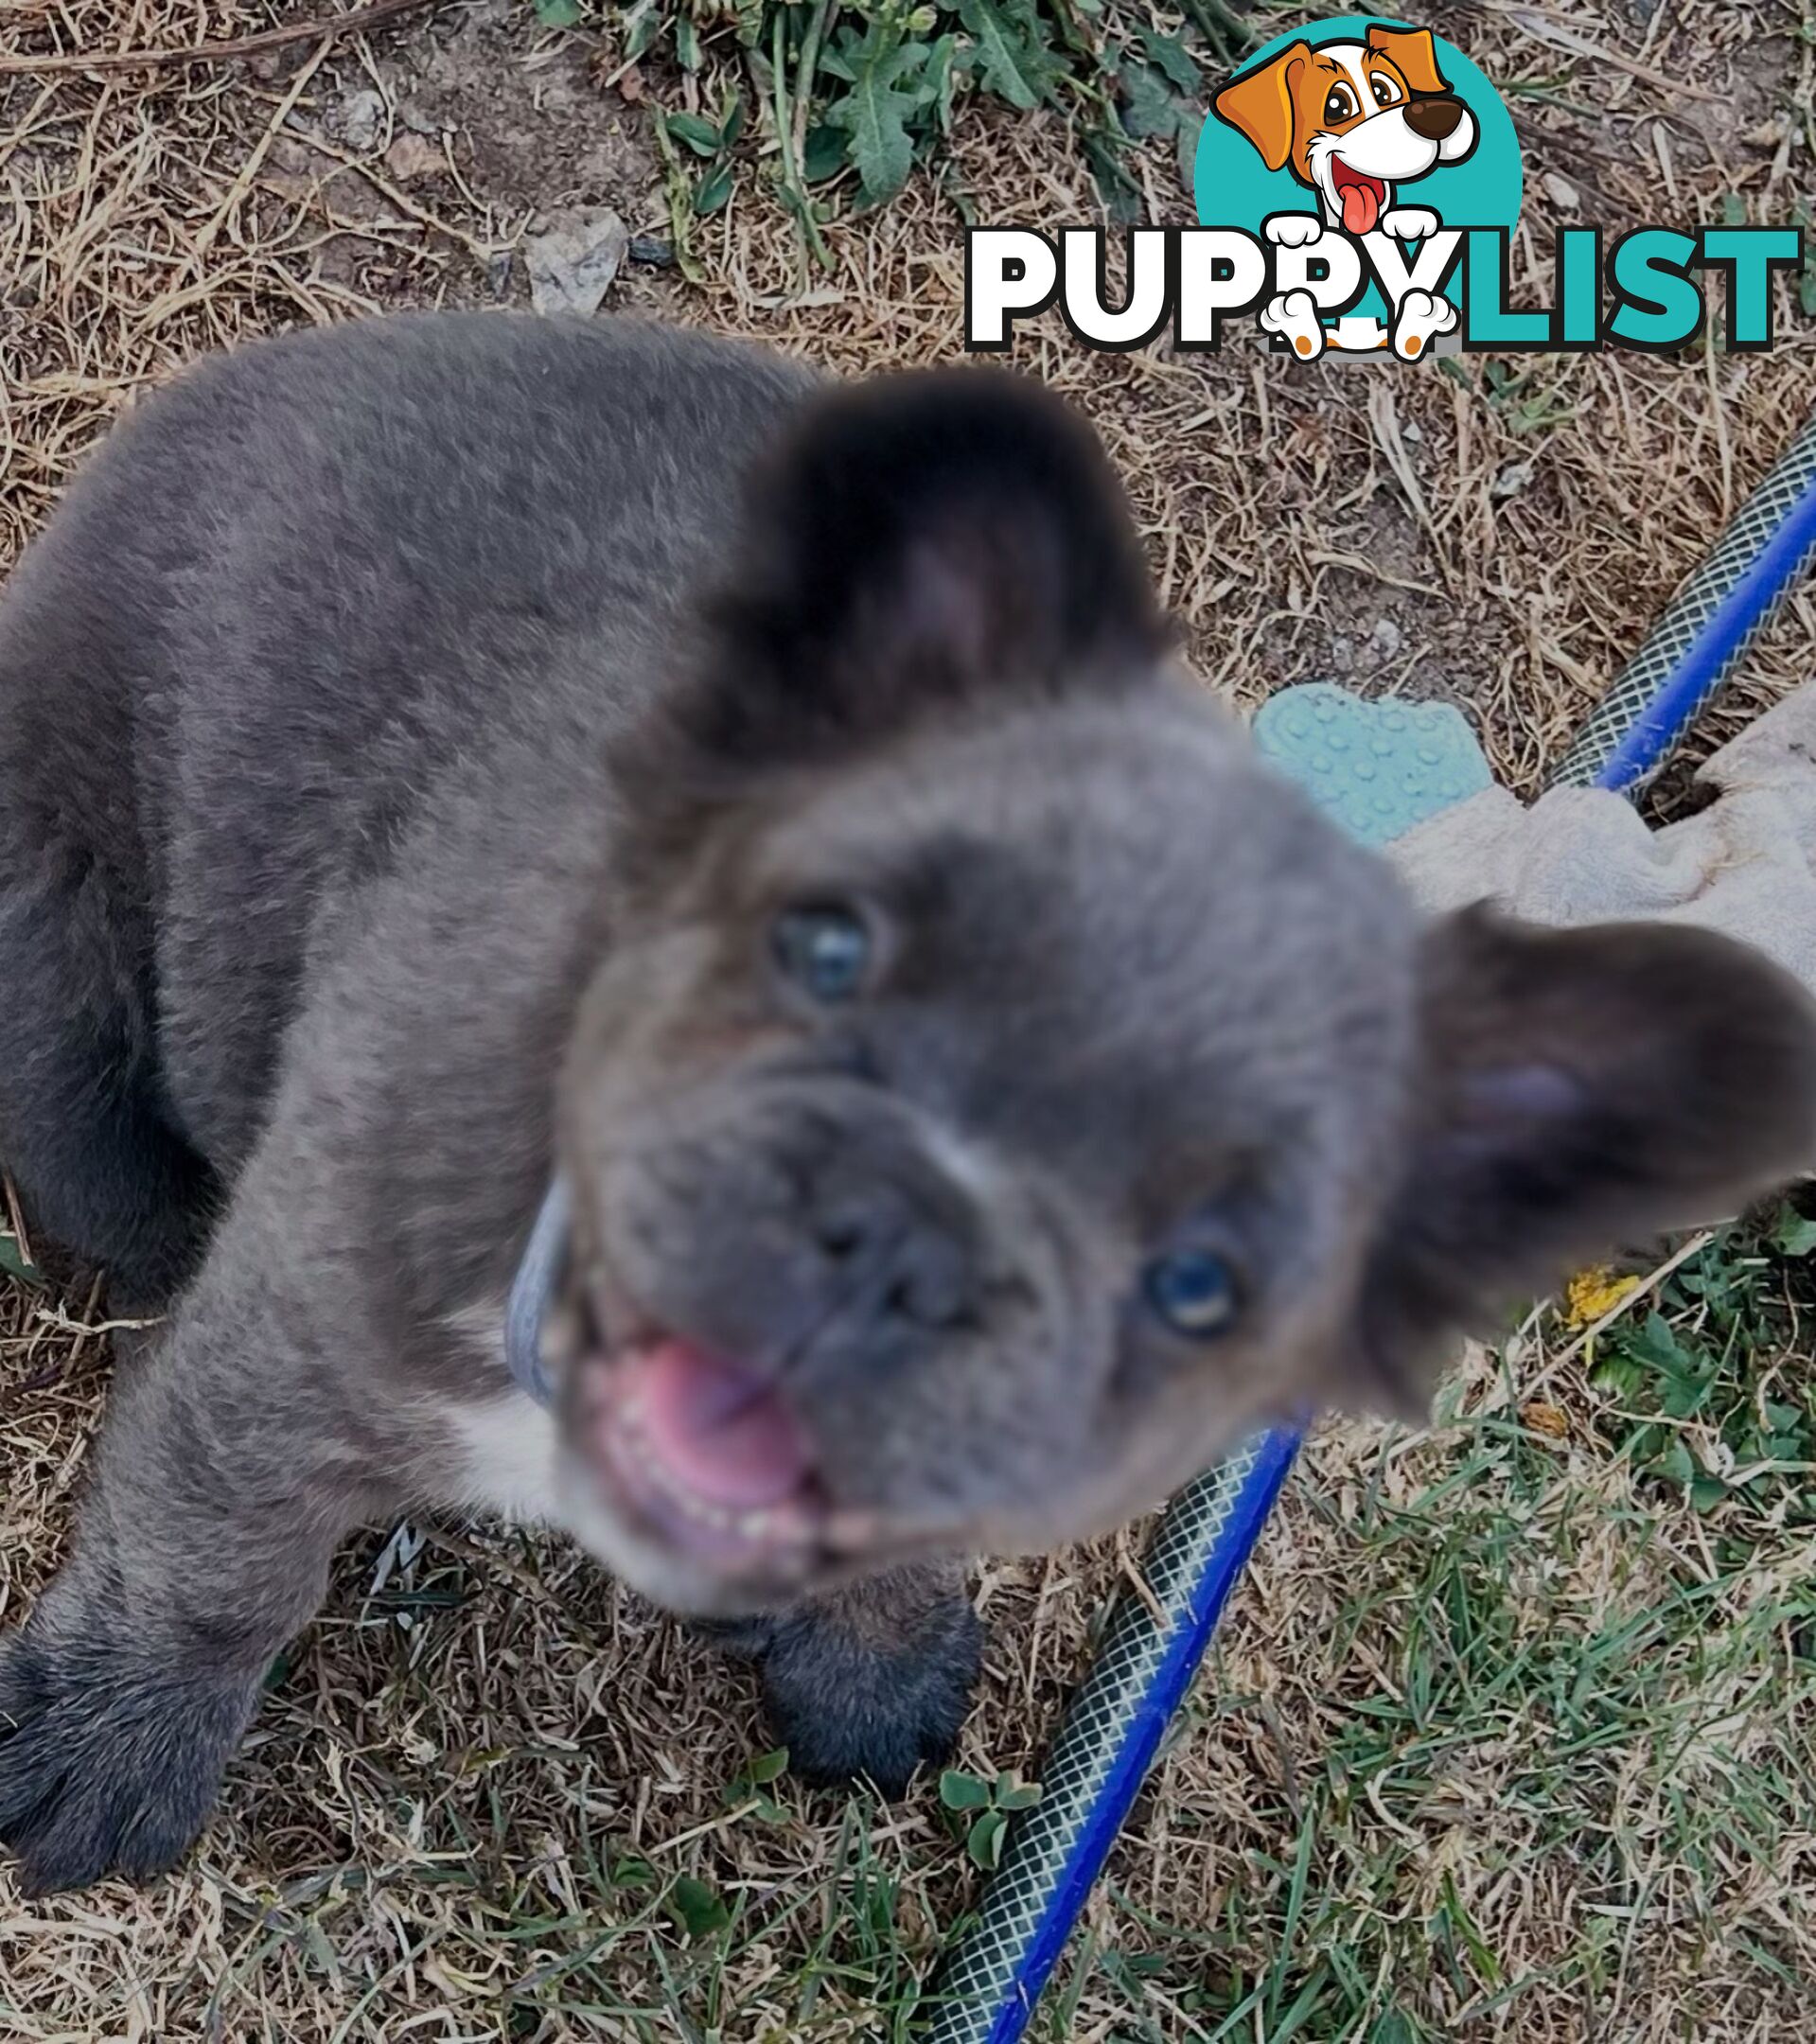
point(825, 951)
point(1193, 1291)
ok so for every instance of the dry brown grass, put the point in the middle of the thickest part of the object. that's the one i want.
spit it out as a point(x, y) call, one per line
point(1525, 1736)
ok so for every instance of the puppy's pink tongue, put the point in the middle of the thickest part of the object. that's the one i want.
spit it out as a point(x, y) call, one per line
point(719, 1431)
point(1360, 208)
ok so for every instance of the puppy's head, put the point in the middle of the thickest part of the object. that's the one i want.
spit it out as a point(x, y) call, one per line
point(1002, 1093)
point(1351, 120)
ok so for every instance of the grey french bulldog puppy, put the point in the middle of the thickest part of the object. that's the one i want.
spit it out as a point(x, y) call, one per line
point(451, 751)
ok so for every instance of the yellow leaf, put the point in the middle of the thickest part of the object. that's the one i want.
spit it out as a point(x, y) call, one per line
point(1593, 1293)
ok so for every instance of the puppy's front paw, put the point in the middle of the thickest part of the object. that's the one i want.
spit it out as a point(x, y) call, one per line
point(109, 1763)
point(850, 1698)
point(843, 1715)
point(1409, 222)
point(1291, 230)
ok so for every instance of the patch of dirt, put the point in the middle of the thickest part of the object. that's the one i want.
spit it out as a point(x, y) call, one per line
point(475, 116)
point(533, 128)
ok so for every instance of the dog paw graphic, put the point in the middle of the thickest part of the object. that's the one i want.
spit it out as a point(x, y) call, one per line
point(1294, 318)
point(1409, 222)
point(1291, 230)
point(1418, 320)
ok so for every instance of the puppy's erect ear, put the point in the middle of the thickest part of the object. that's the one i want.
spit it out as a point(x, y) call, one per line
point(1260, 104)
point(1581, 1090)
point(1412, 54)
point(920, 541)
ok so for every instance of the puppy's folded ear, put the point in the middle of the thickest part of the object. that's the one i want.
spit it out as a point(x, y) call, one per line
point(1414, 51)
point(919, 541)
point(1259, 103)
point(1581, 1090)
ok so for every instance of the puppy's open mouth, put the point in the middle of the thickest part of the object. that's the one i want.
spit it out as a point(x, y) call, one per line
point(1361, 197)
point(704, 1455)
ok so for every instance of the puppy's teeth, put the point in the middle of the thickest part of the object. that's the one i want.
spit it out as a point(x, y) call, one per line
point(760, 1525)
point(697, 1507)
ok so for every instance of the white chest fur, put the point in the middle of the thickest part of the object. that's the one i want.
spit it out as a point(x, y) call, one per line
point(504, 1447)
point(505, 1460)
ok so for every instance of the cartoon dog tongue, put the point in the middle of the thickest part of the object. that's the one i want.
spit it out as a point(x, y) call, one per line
point(1360, 208)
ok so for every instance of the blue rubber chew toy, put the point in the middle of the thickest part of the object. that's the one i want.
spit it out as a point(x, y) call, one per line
point(1375, 768)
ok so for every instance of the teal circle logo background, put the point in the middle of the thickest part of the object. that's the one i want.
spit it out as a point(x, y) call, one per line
point(1233, 187)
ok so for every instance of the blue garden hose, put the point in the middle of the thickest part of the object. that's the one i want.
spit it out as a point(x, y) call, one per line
point(986, 1988)
point(1704, 633)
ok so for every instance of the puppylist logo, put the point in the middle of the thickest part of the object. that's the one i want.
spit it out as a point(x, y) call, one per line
point(1359, 158)
point(1357, 183)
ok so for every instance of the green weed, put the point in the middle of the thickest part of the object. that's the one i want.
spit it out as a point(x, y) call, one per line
point(836, 103)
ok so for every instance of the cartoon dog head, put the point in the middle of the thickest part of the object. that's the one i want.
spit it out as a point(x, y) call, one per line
point(1353, 119)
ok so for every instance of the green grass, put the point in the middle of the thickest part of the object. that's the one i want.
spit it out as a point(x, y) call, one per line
point(1583, 1758)
point(1690, 1405)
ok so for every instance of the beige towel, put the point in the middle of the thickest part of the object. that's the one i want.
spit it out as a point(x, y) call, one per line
point(1746, 865)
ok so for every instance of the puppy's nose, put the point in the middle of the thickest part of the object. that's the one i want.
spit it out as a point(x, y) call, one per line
point(1434, 117)
point(900, 1252)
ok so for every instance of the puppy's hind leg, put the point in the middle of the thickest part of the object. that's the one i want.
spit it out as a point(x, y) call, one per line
point(102, 1173)
point(1294, 315)
point(874, 1680)
point(1418, 319)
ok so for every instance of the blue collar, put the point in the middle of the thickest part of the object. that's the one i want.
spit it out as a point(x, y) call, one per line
point(530, 1289)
